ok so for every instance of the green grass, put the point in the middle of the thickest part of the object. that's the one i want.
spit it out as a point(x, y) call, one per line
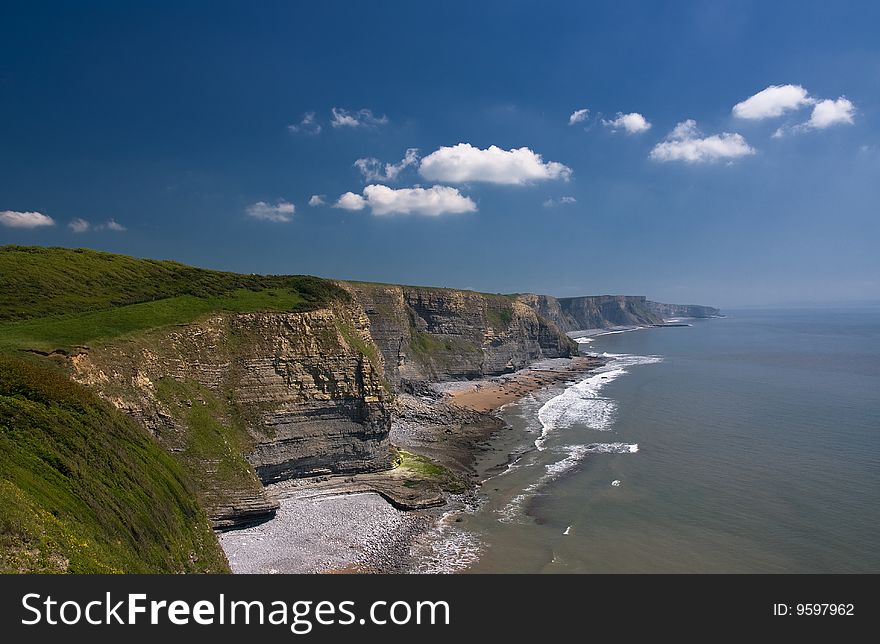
point(356, 342)
point(422, 468)
point(84, 489)
point(499, 314)
point(214, 437)
point(37, 282)
point(65, 331)
point(429, 345)
point(426, 344)
point(366, 349)
point(56, 298)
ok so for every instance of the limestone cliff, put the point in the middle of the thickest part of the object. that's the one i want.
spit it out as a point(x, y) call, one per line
point(430, 334)
point(593, 312)
point(245, 399)
point(683, 310)
point(603, 311)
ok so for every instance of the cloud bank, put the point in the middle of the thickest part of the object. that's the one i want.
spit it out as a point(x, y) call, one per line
point(281, 212)
point(374, 170)
point(465, 163)
point(79, 225)
point(686, 143)
point(828, 112)
point(562, 201)
point(363, 118)
point(432, 202)
point(776, 100)
point(15, 219)
point(578, 115)
point(307, 125)
point(632, 123)
point(772, 101)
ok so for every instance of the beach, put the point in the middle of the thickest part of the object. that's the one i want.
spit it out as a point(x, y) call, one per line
point(383, 522)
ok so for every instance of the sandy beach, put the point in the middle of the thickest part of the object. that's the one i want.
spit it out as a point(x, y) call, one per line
point(491, 394)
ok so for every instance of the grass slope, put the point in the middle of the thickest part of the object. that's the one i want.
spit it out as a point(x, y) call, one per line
point(55, 298)
point(84, 489)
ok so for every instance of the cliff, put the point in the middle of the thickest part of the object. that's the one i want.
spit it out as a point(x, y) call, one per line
point(683, 310)
point(431, 334)
point(593, 312)
point(247, 399)
point(604, 311)
point(246, 380)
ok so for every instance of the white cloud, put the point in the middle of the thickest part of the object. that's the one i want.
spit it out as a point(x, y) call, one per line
point(433, 201)
point(308, 125)
point(350, 201)
point(685, 143)
point(15, 219)
point(826, 113)
point(317, 200)
point(578, 115)
point(829, 112)
point(356, 118)
point(773, 101)
point(779, 99)
point(79, 225)
point(633, 123)
point(562, 201)
point(280, 212)
point(373, 170)
point(463, 163)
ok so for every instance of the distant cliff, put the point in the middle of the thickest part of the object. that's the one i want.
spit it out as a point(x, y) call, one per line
point(593, 312)
point(430, 334)
point(683, 310)
point(604, 311)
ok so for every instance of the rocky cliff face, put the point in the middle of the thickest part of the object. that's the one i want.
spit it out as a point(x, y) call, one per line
point(683, 310)
point(604, 311)
point(245, 399)
point(430, 334)
point(593, 312)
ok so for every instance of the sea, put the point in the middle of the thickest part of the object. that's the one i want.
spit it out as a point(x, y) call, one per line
point(743, 444)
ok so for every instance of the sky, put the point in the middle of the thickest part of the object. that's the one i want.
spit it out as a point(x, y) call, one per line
point(721, 153)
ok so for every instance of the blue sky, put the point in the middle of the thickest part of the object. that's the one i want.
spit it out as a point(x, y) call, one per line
point(164, 130)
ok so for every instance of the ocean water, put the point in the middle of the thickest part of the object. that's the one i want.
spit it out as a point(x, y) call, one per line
point(744, 444)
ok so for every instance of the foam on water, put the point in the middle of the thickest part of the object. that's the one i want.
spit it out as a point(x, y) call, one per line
point(451, 550)
point(574, 455)
point(446, 548)
point(581, 403)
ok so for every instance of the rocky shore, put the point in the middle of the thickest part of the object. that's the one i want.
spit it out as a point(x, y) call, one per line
point(368, 523)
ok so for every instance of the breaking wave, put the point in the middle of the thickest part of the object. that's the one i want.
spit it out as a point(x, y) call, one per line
point(582, 404)
point(574, 455)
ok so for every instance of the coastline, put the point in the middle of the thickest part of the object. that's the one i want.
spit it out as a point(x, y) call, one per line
point(372, 523)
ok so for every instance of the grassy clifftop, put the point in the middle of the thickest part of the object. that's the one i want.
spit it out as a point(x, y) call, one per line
point(84, 489)
point(53, 298)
